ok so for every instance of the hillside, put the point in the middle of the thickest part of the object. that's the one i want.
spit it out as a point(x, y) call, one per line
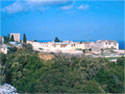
point(32, 72)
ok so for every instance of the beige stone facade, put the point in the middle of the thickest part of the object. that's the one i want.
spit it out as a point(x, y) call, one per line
point(108, 44)
point(16, 36)
point(102, 44)
point(73, 47)
point(64, 47)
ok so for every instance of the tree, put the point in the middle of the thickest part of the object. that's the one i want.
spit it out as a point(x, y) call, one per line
point(12, 50)
point(111, 78)
point(35, 40)
point(90, 49)
point(84, 51)
point(26, 71)
point(6, 39)
point(102, 51)
point(92, 87)
point(81, 42)
point(121, 61)
point(2, 68)
point(24, 38)
point(57, 39)
point(12, 38)
point(27, 47)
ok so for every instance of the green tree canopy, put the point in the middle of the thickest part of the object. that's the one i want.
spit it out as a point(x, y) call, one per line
point(2, 67)
point(24, 38)
point(27, 47)
point(26, 71)
point(12, 38)
point(111, 78)
point(6, 39)
point(57, 39)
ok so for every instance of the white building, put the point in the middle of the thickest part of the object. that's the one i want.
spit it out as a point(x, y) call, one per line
point(73, 47)
point(108, 44)
point(16, 36)
point(64, 47)
point(1, 39)
point(102, 44)
point(4, 48)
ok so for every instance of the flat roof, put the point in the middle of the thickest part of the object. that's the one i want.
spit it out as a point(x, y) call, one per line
point(61, 43)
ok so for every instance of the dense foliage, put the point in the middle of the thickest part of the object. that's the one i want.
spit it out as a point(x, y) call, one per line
point(64, 74)
point(24, 38)
point(6, 39)
point(12, 38)
point(56, 39)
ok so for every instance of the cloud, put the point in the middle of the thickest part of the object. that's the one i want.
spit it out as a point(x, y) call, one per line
point(28, 5)
point(20, 5)
point(48, 2)
point(67, 7)
point(15, 7)
point(83, 7)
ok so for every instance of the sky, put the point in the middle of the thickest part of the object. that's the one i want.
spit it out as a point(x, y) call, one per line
point(65, 19)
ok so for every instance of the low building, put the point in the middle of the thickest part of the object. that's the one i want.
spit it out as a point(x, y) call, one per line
point(1, 39)
point(15, 44)
point(90, 45)
point(102, 44)
point(16, 36)
point(73, 47)
point(64, 47)
point(4, 48)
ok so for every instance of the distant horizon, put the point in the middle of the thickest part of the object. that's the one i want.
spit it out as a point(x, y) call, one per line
point(63, 39)
point(78, 40)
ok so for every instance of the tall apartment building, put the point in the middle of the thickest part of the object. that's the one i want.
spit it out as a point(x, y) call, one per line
point(16, 36)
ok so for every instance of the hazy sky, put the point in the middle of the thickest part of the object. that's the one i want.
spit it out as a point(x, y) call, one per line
point(67, 19)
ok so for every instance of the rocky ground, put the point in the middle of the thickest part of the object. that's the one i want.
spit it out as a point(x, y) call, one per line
point(45, 56)
point(7, 89)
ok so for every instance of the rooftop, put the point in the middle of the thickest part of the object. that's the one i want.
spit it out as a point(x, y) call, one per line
point(99, 41)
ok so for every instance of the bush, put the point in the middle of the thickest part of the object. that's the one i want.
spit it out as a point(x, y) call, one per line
point(121, 61)
point(112, 79)
point(28, 47)
point(63, 74)
point(92, 87)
